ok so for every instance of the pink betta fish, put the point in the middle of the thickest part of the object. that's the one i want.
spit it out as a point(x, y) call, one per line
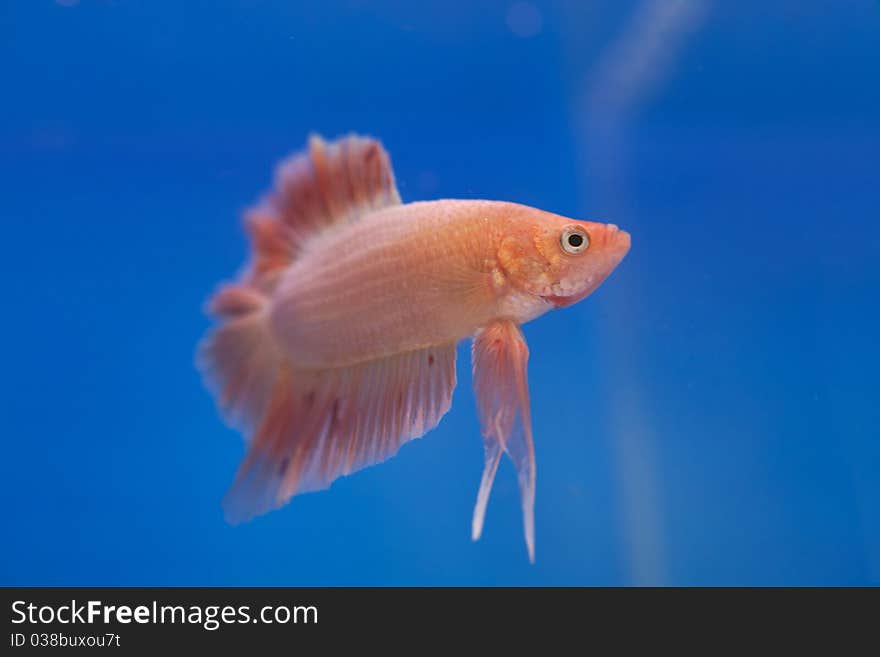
point(337, 342)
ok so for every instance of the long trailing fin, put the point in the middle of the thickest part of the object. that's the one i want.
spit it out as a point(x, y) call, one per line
point(500, 357)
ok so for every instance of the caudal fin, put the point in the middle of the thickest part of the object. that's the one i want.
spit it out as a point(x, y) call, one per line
point(305, 428)
point(326, 185)
point(239, 359)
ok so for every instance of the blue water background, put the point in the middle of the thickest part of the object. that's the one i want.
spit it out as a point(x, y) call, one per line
point(710, 416)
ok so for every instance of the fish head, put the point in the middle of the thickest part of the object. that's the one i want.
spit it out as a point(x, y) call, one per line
point(559, 259)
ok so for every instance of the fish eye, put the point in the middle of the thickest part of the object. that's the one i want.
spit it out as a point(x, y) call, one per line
point(574, 240)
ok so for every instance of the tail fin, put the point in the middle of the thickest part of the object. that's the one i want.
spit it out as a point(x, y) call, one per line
point(307, 428)
point(328, 184)
point(239, 359)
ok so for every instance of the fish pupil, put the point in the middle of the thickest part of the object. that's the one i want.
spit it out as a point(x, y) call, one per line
point(575, 240)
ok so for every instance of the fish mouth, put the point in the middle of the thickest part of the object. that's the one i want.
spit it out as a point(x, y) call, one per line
point(619, 242)
point(560, 302)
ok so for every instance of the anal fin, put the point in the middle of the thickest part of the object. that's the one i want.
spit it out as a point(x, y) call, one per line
point(322, 424)
point(500, 356)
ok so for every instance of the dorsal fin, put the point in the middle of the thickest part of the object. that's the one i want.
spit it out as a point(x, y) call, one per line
point(330, 183)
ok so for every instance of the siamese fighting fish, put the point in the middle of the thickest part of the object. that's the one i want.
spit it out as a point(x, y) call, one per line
point(336, 343)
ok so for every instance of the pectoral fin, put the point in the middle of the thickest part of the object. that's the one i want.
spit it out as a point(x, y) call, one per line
point(500, 356)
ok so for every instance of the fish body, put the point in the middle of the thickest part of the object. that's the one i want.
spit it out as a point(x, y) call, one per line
point(337, 344)
point(401, 278)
